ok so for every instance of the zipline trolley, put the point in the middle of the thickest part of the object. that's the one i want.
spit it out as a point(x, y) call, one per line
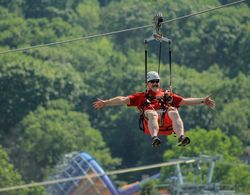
point(158, 36)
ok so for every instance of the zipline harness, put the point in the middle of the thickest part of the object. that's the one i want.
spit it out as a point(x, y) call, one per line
point(166, 99)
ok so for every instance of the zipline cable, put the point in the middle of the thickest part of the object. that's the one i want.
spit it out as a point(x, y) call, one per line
point(204, 11)
point(116, 172)
point(121, 171)
point(118, 31)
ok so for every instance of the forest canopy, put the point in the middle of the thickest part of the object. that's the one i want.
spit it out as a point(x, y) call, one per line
point(47, 93)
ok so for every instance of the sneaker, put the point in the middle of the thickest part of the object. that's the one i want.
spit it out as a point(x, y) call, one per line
point(156, 141)
point(182, 141)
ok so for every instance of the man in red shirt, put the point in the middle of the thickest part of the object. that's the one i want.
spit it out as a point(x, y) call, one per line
point(153, 102)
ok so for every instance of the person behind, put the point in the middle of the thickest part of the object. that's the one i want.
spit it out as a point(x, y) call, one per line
point(150, 108)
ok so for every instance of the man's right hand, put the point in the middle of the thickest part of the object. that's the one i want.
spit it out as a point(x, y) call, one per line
point(99, 104)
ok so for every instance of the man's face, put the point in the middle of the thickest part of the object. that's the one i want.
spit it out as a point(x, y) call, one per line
point(154, 85)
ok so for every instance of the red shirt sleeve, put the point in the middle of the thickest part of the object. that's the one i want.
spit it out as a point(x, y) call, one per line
point(135, 99)
point(177, 100)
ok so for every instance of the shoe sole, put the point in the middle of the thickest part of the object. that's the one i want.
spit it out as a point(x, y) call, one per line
point(156, 143)
point(184, 142)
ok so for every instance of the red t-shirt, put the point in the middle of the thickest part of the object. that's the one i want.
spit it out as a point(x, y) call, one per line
point(137, 99)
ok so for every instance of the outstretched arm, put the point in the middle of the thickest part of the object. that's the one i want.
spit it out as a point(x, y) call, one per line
point(208, 101)
point(119, 100)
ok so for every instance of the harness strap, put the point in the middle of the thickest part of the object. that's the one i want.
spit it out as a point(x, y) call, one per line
point(146, 62)
point(166, 100)
point(141, 118)
point(170, 65)
point(159, 62)
point(159, 65)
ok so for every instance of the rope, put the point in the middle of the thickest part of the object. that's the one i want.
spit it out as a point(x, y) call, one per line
point(121, 171)
point(118, 31)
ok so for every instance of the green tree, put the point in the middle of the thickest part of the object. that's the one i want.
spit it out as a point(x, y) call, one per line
point(80, 12)
point(26, 83)
point(216, 38)
point(13, 29)
point(88, 15)
point(46, 134)
point(148, 188)
point(20, 32)
point(87, 57)
point(238, 175)
point(12, 6)
point(10, 177)
point(236, 122)
point(104, 2)
point(215, 143)
point(123, 15)
point(227, 31)
point(198, 42)
point(216, 44)
point(188, 82)
point(42, 8)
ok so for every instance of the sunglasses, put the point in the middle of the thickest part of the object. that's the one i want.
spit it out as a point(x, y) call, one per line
point(154, 81)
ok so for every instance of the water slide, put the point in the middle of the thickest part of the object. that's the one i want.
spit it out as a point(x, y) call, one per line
point(85, 165)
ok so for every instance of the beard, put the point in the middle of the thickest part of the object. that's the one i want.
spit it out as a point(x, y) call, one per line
point(155, 88)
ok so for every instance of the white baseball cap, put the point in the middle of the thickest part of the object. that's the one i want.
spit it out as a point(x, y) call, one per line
point(152, 75)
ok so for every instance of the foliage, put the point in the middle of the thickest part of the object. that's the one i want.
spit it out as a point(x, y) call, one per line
point(10, 177)
point(8, 174)
point(40, 8)
point(148, 188)
point(236, 122)
point(25, 83)
point(210, 55)
point(50, 132)
point(213, 144)
point(238, 175)
point(193, 48)
point(197, 48)
point(88, 15)
point(129, 14)
point(34, 31)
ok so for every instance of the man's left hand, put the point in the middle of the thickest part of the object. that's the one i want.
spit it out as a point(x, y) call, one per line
point(209, 102)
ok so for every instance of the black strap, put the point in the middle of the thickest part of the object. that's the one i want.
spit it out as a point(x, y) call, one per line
point(141, 125)
point(159, 58)
point(146, 63)
point(159, 64)
point(170, 66)
point(164, 101)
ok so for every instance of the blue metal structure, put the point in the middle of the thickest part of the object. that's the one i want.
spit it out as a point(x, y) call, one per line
point(83, 165)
